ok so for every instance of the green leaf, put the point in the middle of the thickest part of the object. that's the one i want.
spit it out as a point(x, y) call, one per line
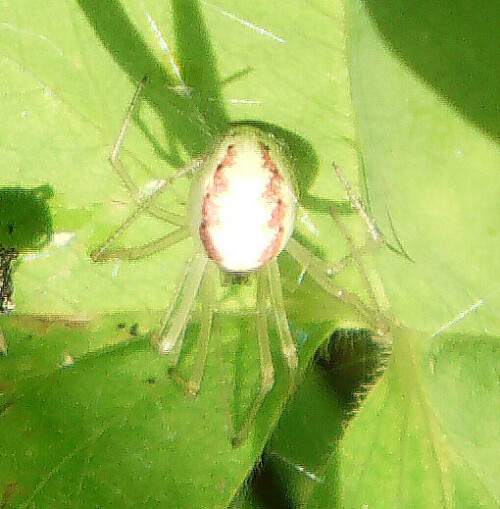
point(91, 416)
point(420, 72)
point(432, 175)
point(423, 436)
point(418, 441)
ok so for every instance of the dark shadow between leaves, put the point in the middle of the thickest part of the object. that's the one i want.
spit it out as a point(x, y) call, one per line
point(307, 436)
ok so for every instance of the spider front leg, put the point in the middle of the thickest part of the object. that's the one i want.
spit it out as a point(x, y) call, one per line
point(120, 170)
point(177, 315)
point(107, 252)
point(171, 333)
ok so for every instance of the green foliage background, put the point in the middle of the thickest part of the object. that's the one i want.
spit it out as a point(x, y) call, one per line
point(88, 416)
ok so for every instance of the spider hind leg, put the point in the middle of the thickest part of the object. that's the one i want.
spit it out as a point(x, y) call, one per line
point(266, 362)
point(269, 288)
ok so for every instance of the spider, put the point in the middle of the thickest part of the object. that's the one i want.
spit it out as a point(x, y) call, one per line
point(241, 212)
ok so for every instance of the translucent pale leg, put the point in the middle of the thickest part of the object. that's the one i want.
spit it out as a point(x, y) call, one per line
point(143, 251)
point(207, 313)
point(356, 254)
point(266, 362)
point(114, 159)
point(318, 270)
point(286, 341)
point(176, 317)
point(358, 205)
point(375, 239)
point(101, 253)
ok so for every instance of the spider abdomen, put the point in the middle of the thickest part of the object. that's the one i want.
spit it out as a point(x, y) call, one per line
point(248, 204)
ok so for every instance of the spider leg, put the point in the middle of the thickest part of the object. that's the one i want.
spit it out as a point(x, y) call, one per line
point(155, 211)
point(176, 317)
point(357, 204)
point(373, 243)
point(173, 350)
point(319, 271)
point(143, 251)
point(120, 170)
point(266, 362)
point(356, 254)
point(113, 158)
point(102, 252)
point(286, 341)
point(207, 313)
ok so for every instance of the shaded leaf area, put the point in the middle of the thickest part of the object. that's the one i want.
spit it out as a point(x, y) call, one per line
point(449, 44)
point(25, 225)
point(203, 115)
point(302, 442)
point(25, 217)
point(113, 426)
point(305, 443)
point(431, 176)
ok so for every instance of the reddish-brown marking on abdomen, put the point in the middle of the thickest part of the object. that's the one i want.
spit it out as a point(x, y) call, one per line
point(209, 210)
point(277, 215)
point(269, 164)
point(208, 243)
point(272, 194)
